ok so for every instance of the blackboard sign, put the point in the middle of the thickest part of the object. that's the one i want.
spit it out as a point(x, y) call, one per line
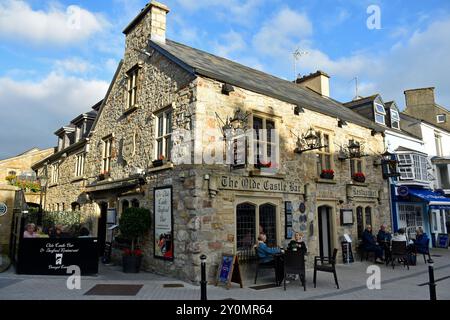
point(229, 271)
point(289, 232)
point(442, 240)
point(347, 254)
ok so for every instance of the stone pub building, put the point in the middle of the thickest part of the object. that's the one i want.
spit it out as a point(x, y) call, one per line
point(157, 141)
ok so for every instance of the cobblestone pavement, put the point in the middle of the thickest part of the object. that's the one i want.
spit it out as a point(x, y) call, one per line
point(396, 284)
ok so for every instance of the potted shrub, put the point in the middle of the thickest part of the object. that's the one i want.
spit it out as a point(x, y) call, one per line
point(159, 162)
point(133, 224)
point(359, 177)
point(327, 174)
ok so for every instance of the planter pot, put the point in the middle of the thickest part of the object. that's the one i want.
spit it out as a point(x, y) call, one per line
point(327, 176)
point(131, 264)
point(158, 163)
point(361, 180)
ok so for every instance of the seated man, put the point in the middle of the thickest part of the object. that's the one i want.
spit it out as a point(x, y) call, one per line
point(265, 253)
point(369, 244)
point(383, 235)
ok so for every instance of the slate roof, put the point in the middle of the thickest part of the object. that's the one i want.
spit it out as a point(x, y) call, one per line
point(360, 102)
point(198, 62)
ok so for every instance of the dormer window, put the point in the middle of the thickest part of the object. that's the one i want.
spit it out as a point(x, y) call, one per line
point(441, 118)
point(380, 114)
point(395, 119)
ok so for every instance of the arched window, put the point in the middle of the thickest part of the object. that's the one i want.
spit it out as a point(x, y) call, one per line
point(268, 223)
point(125, 205)
point(360, 221)
point(368, 216)
point(135, 203)
point(245, 226)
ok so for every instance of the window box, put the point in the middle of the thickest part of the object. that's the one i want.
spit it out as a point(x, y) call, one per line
point(327, 174)
point(159, 162)
point(359, 177)
point(103, 176)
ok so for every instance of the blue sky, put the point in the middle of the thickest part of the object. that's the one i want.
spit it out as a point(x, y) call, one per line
point(54, 66)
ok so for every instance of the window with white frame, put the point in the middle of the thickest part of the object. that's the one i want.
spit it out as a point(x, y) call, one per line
point(107, 154)
point(163, 135)
point(79, 164)
point(380, 114)
point(324, 156)
point(132, 87)
point(54, 173)
point(395, 119)
point(441, 118)
point(265, 144)
point(412, 167)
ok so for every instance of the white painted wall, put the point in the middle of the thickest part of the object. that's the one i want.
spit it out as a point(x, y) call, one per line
point(428, 132)
point(395, 139)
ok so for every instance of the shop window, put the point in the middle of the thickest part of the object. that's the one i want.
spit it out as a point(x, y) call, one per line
point(267, 222)
point(368, 216)
point(245, 226)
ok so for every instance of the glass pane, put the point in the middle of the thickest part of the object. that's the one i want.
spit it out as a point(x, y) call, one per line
point(245, 226)
point(326, 142)
point(267, 221)
point(327, 162)
point(359, 221)
point(160, 125)
point(379, 118)
point(270, 126)
point(168, 122)
point(159, 148)
point(359, 166)
point(257, 125)
point(368, 215)
point(352, 167)
point(319, 164)
point(168, 147)
point(394, 115)
point(379, 108)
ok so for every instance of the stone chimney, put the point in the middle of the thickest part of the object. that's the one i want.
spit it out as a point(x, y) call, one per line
point(422, 97)
point(150, 23)
point(318, 82)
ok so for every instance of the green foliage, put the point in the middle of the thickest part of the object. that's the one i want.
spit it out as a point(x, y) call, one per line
point(32, 186)
point(134, 223)
point(65, 218)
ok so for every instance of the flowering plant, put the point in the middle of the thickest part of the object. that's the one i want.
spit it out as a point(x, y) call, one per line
point(161, 157)
point(327, 174)
point(359, 177)
point(136, 252)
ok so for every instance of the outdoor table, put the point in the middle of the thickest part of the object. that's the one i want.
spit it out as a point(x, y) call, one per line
point(279, 268)
point(386, 245)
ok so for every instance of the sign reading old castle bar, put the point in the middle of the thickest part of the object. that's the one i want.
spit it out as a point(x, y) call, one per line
point(259, 184)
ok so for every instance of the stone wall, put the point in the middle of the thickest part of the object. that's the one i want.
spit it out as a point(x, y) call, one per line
point(7, 196)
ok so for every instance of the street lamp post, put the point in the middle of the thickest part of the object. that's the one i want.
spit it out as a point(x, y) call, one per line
point(43, 184)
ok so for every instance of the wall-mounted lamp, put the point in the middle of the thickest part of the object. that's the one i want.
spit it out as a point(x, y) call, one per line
point(298, 110)
point(227, 88)
point(341, 123)
point(389, 165)
point(308, 141)
point(231, 124)
point(354, 150)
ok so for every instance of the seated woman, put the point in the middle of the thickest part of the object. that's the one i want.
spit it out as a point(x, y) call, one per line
point(265, 253)
point(297, 243)
point(369, 244)
point(400, 236)
point(421, 243)
point(30, 231)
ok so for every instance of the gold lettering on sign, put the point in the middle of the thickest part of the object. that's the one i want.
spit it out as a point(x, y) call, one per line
point(361, 192)
point(259, 184)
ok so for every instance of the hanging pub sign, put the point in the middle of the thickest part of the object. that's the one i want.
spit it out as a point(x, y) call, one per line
point(3, 209)
point(163, 227)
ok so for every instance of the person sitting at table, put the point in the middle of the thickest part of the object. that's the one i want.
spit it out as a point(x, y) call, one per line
point(383, 236)
point(369, 244)
point(265, 253)
point(30, 231)
point(297, 243)
point(400, 235)
point(421, 242)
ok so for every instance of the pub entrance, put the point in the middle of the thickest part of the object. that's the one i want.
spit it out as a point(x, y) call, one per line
point(101, 232)
point(324, 213)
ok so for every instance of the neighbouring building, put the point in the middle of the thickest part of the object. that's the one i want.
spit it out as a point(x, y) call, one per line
point(170, 118)
point(415, 202)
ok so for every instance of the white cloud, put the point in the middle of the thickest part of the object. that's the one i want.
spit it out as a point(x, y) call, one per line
point(231, 42)
point(57, 25)
point(73, 65)
point(280, 34)
point(31, 111)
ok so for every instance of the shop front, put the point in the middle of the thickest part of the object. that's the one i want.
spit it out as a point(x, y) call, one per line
point(415, 207)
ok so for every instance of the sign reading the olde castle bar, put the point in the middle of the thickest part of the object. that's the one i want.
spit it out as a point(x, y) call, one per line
point(361, 192)
point(259, 184)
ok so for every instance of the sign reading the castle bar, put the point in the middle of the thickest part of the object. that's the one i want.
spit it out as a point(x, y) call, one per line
point(259, 184)
point(361, 192)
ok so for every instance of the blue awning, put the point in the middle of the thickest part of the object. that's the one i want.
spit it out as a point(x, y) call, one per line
point(434, 199)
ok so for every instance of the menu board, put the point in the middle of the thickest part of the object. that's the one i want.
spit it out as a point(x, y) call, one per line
point(229, 271)
point(442, 241)
point(163, 226)
point(289, 232)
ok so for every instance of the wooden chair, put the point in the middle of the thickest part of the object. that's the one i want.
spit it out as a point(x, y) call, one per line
point(326, 264)
point(294, 263)
point(262, 265)
point(399, 251)
point(425, 251)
